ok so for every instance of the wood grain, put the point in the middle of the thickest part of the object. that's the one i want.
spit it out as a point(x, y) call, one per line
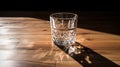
point(26, 42)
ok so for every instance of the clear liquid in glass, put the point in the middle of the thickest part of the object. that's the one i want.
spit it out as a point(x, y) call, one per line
point(63, 37)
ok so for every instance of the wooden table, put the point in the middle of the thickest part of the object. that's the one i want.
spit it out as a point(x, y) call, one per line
point(26, 42)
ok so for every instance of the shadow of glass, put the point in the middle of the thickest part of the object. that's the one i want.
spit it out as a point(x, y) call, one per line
point(87, 57)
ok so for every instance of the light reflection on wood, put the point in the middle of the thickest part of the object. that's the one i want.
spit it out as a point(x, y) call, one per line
point(26, 42)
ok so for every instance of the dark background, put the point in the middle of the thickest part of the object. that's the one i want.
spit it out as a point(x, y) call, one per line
point(97, 15)
point(59, 5)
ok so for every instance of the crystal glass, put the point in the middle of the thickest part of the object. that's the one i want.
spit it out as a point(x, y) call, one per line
point(63, 28)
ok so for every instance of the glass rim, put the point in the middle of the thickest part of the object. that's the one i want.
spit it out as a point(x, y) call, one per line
point(60, 13)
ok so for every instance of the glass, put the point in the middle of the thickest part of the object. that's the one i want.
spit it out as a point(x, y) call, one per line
point(63, 28)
